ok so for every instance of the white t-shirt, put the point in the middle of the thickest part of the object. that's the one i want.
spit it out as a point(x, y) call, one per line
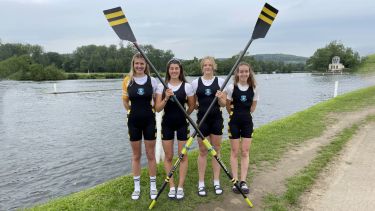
point(142, 80)
point(229, 91)
point(188, 88)
point(194, 83)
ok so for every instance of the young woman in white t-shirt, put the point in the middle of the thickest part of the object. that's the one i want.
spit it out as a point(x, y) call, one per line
point(206, 88)
point(174, 120)
point(242, 99)
point(138, 94)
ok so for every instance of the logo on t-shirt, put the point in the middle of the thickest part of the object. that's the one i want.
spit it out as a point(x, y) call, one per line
point(207, 92)
point(141, 91)
point(243, 98)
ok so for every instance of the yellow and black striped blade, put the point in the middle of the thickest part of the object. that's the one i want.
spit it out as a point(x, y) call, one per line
point(119, 23)
point(266, 17)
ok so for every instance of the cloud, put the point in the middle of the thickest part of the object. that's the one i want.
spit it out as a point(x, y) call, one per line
point(192, 28)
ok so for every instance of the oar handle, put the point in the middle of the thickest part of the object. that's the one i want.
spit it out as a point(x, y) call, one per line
point(191, 121)
point(224, 84)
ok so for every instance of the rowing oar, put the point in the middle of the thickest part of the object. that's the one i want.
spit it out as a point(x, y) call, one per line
point(120, 25)
point(265, 19)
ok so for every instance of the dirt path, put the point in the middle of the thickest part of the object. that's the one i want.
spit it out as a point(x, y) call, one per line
point(348, 183)
point(273, 179)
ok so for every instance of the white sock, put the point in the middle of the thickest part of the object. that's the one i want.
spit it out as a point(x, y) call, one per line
point(201, 184)
point(216, 182)
point(180, 188)
point(153, 183)
point(172, 188)
point(137, 183)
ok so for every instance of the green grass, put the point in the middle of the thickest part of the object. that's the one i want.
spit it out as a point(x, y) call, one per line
point(368, 66)
point(270, 143)
point(303, 180)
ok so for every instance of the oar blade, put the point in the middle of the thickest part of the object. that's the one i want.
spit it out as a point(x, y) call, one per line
point(265, 20)
point(119, 24)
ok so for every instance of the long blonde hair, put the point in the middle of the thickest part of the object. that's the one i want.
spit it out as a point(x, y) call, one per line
point(250, 80)
point(131, 72)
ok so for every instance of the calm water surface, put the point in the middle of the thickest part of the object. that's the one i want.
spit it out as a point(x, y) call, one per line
point(53, 145)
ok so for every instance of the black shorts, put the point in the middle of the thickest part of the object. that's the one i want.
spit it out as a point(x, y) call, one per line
point(168, 128)
point(213, 124)
point(240, 126)
point(141, 126)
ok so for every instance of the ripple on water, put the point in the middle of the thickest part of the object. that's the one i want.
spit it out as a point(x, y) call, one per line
point(53, 145)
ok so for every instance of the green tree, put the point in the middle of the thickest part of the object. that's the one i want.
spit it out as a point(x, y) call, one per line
point(323, 56)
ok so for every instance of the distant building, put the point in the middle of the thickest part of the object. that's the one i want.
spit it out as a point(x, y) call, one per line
point(336, 66)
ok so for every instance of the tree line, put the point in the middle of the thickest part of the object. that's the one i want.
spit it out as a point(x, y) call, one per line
point(31, 62)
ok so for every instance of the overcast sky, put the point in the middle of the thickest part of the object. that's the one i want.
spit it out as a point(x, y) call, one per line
point(220, 28)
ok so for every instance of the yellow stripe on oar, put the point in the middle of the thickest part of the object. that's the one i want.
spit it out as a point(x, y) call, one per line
point(118, 22)
point(249, 202)
point(265, 19)
point(152, 204)
point(187, 145)
point(209, 147)
point(269, 12)
point(114, 15)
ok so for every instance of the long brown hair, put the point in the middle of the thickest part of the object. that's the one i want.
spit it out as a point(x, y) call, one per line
point(250, 80)
point(181, 77)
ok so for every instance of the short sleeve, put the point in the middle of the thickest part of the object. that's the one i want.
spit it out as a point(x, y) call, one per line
point(256, 95)
point(160, 89)
point(154, 83)
point(194, 85)
point(229, 91)
point(220, 81)
point(189, 89)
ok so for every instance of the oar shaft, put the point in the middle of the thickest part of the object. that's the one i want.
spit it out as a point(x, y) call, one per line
point(191, 121)
point(224, 84)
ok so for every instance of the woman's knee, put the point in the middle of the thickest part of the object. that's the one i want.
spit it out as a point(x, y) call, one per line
point(245, 153)
point(168, 157)
point(234, 152)
point(203, 152)
point(137, 157)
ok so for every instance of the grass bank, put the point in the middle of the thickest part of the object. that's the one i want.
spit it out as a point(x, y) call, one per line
point(368, 65)
point(302, 181)
point(269, 144)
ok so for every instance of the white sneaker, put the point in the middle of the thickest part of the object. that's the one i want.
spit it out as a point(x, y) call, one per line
point(153, 194)
point(136, 194)
point(180, 194)
point(172, 193)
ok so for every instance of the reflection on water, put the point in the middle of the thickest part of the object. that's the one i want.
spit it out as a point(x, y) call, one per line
point(53, 145)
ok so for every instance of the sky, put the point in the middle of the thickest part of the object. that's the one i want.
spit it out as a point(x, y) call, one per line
point(219, 28)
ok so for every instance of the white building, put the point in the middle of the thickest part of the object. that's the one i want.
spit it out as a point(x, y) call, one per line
point(336, 66)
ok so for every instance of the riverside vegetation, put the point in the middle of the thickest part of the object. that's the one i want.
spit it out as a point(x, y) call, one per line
point(30, 62)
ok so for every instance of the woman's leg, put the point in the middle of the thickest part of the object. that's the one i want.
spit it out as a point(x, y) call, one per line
point(168, 150)
point(183, 165)
point(136, 158)
point(202, 160)
point(246, 143)
point(216, 143)
point(235, 145)
point(150, 152)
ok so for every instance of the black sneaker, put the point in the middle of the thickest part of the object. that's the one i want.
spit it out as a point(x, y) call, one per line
point(244, 187)
point(235, 190)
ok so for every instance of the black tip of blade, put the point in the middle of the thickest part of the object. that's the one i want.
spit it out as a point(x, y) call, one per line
point(268, 6)
point(116, 9)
